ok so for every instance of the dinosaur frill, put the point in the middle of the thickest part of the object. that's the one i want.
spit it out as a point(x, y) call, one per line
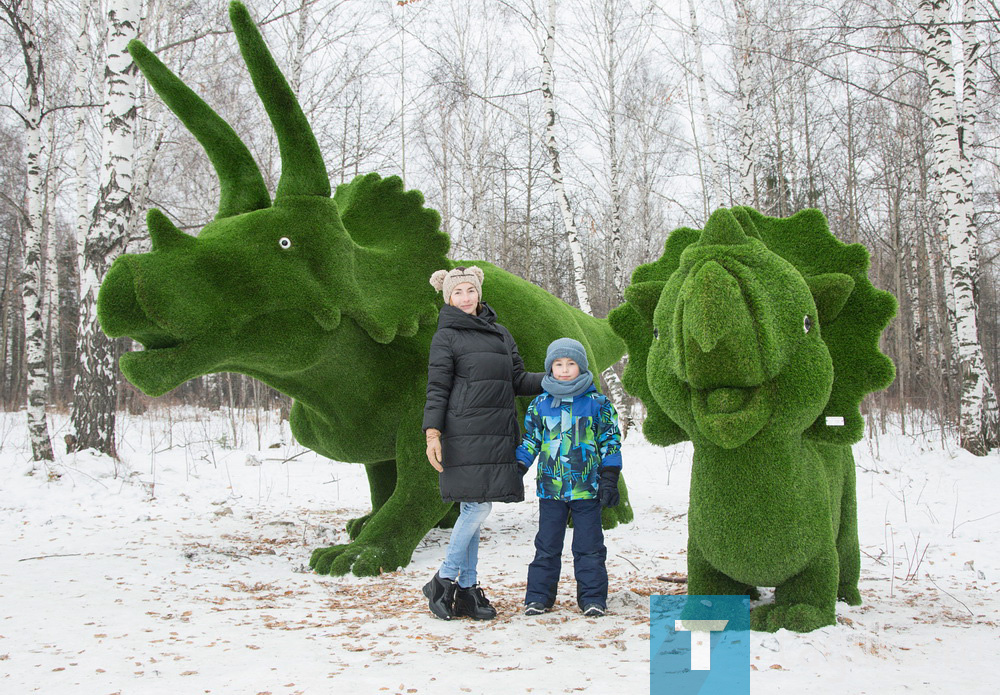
point(850, 323)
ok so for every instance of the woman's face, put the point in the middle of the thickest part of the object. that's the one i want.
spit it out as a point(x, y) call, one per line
point(465, 297)
point(565, 369)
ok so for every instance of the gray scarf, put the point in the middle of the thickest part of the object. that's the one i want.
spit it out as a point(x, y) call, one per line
point(566, 390)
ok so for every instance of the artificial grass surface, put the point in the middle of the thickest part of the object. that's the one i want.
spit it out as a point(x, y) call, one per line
point(324, 298)
point(756, 338)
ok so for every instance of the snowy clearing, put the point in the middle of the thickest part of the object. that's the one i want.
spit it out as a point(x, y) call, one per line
point(184, 569)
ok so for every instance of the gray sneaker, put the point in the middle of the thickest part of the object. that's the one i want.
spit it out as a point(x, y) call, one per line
point(592, 610)
point(535, 608)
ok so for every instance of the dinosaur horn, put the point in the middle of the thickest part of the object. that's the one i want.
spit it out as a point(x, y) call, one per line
point(242, 186)
point(164, 234)
point(723, 228)
point(302, 169)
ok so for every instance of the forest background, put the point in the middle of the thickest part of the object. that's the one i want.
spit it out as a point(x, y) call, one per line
point(561, 141)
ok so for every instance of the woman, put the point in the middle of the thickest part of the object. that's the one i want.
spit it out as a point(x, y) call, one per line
point(471, 425)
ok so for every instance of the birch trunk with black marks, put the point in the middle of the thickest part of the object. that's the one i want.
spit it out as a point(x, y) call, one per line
point(611, 16)
point(616, 391)
point(20, 17)
point(81, 95)
point(853, 224)
point(971, 46)
point(978, 416)
point(84, 69)
point(51, 277)
point(615, 236)
point(915, 290)
point(712, 184)
point(299, 57)
point(95, 390)
point(744, 69)
point(50, 272)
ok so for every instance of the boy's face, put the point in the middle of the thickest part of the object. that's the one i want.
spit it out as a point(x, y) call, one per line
point(565, 369)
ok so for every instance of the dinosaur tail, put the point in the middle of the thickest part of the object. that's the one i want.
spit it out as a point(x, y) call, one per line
point(605, 345)
point(535, 318)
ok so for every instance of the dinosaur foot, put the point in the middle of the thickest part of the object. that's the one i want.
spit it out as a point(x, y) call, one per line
point(363, 558)
point(354, 526)
point(612, 516)
point(849, 595)
point(798, 617)
point(704, 608)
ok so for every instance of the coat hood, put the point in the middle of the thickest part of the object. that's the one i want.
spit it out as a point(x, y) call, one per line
point(453, 317)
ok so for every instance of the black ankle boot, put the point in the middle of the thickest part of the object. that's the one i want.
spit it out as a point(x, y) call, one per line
point(440, 593)
point(473, 603)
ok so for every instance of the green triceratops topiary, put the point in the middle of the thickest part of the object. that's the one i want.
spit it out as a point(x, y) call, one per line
point(325, 298)
point(756, 339)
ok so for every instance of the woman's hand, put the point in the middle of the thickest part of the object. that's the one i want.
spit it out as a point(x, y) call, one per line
point(434, 449)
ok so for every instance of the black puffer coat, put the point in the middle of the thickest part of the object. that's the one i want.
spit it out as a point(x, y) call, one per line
point(473, 375)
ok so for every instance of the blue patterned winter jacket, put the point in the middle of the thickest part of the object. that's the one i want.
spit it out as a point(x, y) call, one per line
point(572, 441)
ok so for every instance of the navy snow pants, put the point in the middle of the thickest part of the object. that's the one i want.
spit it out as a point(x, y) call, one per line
point(589, 553)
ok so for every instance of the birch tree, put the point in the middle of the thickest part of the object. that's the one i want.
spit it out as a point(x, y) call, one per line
point(611, 15)
point(744, 75)
point(714, 195)
point(650, 159)
point(9, 224)
point(95, 389)
point(298, 57)
point(19, 16)
point(608, 49)
point(969, 101)
point(559, 187)
point(979, 416)
point(50, 283)
point(81, 95)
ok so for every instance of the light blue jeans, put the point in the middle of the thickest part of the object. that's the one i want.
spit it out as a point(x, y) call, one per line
point(463, 548)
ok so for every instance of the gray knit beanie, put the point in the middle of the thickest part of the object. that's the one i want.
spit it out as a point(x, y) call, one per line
point(444, 281)
point(566, 347)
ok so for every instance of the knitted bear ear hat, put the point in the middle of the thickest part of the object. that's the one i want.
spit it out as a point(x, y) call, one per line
point(445, 281)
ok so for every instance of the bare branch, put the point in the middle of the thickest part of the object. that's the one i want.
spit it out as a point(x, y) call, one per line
point(221, 32)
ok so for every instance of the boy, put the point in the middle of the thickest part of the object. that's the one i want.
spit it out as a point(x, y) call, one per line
point(573, 430)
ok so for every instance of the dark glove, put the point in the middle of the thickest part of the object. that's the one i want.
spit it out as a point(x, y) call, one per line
point(607, 486)
point(522, 469)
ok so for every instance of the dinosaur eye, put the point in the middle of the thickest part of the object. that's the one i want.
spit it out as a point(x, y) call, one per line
point(285, 243)
point(656, 334)
point(807, 323)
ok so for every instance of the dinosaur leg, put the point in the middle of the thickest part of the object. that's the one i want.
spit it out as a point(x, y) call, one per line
point(381, 483)
point(705, 580)
point(450, 517)
point(612, 516)
point(806, 601)
point(848, 550)
point(387, 540)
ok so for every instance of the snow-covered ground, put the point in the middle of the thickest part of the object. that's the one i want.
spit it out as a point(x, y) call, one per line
point(183, 569)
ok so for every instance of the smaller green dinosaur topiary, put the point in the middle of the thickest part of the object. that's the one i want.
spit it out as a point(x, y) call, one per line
point(757, 339)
